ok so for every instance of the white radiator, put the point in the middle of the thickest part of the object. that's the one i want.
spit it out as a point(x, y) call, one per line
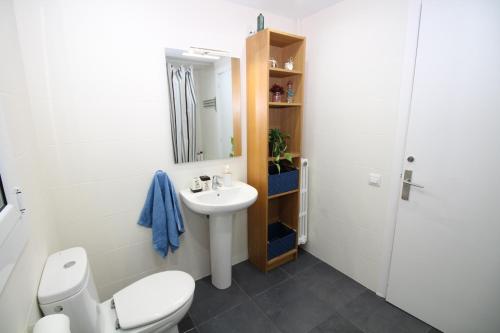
point(304, 176)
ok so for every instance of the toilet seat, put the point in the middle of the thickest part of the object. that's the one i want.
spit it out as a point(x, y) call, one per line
point(107, 320)
point(153, 298)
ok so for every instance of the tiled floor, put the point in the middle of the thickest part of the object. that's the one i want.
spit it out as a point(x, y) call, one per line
point(305, 295)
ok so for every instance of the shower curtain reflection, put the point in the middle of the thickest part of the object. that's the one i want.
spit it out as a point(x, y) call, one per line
point(183, 105)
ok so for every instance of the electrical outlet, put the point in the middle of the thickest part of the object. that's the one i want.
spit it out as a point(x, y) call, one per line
point(375, 179)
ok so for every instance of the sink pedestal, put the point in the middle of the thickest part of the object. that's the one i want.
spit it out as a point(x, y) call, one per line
point(220, 205)
point(221, 235)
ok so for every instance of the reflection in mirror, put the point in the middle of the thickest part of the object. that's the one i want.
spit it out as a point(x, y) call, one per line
point(204, 91)
point(3, 200)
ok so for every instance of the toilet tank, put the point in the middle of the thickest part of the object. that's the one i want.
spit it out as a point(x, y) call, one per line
point(67, 287)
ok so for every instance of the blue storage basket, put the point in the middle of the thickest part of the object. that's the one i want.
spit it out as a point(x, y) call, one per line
point(283, 182)
point(280, 239)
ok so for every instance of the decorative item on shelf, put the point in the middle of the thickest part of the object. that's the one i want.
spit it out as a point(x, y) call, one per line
point(278, 146)
point(289, 64)
point(260, 22)
point(274, 62)
point(289, 92)
point(276, 91)
point(283, 175)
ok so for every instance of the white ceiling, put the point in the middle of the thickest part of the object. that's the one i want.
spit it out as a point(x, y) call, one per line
point(288, 8)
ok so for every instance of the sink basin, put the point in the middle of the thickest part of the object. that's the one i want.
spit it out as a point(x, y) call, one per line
point(224, 200)
point(220, 205)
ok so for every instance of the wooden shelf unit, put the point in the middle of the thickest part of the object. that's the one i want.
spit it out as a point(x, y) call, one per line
point(262, 114)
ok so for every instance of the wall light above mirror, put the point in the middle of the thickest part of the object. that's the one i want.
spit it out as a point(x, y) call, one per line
point(204, 92)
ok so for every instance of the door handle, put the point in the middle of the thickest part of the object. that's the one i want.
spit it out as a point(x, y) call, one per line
point(407, 184)
point(412, 184)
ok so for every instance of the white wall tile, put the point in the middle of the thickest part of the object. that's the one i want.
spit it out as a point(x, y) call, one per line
point(97, 82)
point(354, 55)
point(20, 160)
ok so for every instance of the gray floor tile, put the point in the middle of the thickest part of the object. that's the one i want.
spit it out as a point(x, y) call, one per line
point(186, 324)
point(293, 308)
point(303, 261)
point(302, 296)
point(373, 315)
point(401, 321)
point(329, 285)
point(245, 318)
point(361, 308)
point(209, 301)
point(336, 324)
point(253, 281)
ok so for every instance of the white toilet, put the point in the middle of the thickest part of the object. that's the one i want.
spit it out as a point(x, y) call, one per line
point(153, 304)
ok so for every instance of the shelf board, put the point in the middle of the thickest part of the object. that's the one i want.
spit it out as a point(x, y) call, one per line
point(283, 194)
point(280, 72)
point(281, 259)
point(294, 155)
point(283, 105)
point(282, 39)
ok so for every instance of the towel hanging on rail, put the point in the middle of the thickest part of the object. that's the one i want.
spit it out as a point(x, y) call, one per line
point(162, 214)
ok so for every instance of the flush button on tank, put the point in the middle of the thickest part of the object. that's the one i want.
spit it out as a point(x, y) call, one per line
point(69, 264)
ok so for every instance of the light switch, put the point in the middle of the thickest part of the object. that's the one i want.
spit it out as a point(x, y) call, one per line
point(375, 179)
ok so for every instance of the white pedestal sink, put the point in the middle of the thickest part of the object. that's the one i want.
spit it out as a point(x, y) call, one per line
point(220, 205)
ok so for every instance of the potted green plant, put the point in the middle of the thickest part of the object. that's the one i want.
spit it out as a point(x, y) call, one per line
point(283, 176)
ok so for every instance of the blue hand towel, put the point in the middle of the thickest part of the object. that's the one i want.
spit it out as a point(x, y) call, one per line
point(161, 213)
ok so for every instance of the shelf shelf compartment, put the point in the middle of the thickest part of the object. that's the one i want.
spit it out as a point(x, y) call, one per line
point(284, 208)
point(283, 105)
point(280, 72)
point(283, 194)
point(289, 123)
point(294, 155)
point(280, 239)
point(283, 39)
point(280, 260)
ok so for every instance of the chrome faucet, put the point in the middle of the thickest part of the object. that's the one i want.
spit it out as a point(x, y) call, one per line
point(216, 182)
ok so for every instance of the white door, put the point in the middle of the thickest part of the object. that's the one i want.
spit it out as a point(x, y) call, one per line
point(445, 267)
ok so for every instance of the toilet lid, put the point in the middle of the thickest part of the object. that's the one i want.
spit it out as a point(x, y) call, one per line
point(152, 298)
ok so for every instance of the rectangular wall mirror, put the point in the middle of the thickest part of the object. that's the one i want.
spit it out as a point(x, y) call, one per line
point(204, 93)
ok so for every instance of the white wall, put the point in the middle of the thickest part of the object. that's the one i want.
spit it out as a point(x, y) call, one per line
point(19, 158)
point(96, 74)
point(354, 57)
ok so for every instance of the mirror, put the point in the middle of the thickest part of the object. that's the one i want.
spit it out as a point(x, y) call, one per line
point(204, 93)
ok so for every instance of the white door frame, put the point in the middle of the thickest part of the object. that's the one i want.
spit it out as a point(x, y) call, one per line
point(404, 108)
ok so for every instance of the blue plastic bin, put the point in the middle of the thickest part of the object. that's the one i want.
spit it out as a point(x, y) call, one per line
point(280, 239)
point(283, 182)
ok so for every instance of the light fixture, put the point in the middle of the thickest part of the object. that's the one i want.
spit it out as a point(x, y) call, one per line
point(198, 55)
point(199, 52)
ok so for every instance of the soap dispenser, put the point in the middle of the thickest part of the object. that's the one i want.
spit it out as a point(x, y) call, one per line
point(228, 177)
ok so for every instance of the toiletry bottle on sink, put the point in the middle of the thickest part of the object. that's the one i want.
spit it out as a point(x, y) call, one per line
point(228, 176)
